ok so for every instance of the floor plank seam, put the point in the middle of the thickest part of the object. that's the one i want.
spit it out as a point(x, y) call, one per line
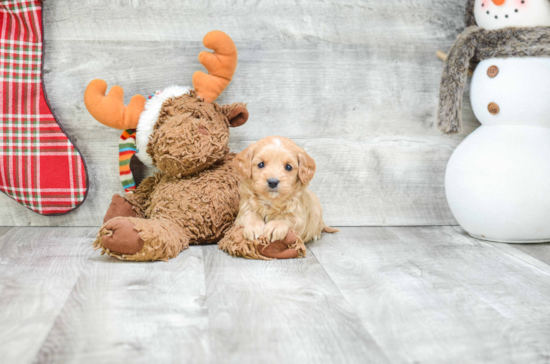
point(350, 306)
point(36, 359)
point(546, 272)
point(493, 245)
point(209, 330)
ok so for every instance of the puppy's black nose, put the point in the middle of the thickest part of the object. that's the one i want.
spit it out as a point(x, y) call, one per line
point(272, 182)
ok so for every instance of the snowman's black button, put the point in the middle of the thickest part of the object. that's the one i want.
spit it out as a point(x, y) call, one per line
point(493, 108)
point(492, 71)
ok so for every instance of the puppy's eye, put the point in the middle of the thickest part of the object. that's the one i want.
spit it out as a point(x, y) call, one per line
point(261, 165)
point(288, 167)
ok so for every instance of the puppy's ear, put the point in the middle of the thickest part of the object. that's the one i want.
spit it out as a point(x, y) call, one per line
point(243, 162)
point(306, 167)
point(237, 114)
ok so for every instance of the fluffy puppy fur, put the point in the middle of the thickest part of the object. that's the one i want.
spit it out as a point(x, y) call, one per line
point(274, 195)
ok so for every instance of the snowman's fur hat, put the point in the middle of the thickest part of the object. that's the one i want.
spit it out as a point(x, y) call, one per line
point(474, 45)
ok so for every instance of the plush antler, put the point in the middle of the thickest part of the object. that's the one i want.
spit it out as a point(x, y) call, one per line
point(110, 110)
point(221, 65)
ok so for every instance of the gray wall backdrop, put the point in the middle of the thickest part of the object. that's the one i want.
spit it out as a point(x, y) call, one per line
point(354, 82)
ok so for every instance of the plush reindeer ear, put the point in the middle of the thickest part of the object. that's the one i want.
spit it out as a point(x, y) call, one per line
point(237, 114)
point(306, 167)
point(243, 162)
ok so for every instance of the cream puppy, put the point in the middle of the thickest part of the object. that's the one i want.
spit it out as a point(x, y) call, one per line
point(274, 193)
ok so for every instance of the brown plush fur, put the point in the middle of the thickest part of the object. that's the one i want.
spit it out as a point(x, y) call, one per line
point(190, 135)
point(474, 45)
point(194, 199)
point(204, 204)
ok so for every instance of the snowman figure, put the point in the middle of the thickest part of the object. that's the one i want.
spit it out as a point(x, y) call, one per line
point(498, 179)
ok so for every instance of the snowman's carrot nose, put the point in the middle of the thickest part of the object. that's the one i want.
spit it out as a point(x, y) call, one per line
point(498, 2)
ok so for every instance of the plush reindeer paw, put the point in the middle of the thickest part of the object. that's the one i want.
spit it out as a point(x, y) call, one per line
point(137, 239)
point(237, 245)
point(289, 247)
point(119, 207)
point(119, 237)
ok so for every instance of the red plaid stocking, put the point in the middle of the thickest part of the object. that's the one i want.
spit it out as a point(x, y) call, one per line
point(39, 166)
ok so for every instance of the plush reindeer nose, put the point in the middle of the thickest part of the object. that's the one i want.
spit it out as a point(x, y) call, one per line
point(272, 182)
point(498, 2)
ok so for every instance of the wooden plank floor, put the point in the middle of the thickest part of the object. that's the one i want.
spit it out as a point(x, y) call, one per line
point(370, 294)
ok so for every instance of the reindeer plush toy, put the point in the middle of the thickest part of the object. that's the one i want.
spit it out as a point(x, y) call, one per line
point(194, 198)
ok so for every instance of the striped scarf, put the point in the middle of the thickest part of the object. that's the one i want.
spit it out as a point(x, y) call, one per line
point(126, 149)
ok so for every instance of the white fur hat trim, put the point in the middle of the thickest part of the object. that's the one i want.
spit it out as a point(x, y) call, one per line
point(149, 117)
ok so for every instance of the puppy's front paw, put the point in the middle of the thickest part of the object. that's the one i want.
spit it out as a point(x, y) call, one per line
point(275, 230)
point(252, 231)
